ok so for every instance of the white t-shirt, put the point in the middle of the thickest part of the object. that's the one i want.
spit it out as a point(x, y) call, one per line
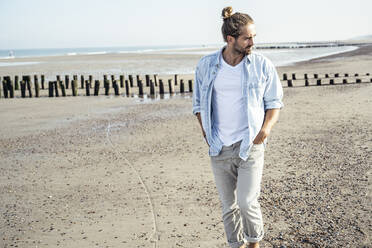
point(228, 104)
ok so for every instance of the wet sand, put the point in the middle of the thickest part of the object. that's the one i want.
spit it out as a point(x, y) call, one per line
point(118, 172)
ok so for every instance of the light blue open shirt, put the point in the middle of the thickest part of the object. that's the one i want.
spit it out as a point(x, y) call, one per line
point(261, 90)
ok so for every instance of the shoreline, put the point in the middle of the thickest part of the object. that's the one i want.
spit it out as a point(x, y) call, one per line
point(175, 48)
point(113, 64)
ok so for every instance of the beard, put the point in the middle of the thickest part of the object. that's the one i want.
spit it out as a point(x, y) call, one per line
point(242, 50)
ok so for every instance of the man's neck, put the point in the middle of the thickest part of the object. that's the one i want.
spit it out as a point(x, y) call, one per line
point(231, 57)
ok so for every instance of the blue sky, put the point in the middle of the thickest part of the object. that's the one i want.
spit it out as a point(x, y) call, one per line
point(92, 23)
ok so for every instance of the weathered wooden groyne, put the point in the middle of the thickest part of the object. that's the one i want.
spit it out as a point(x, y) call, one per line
point(36, 86)
point(28, 86)
point(293, 79)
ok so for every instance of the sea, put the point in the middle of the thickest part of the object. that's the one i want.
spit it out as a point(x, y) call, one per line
point(280, 54)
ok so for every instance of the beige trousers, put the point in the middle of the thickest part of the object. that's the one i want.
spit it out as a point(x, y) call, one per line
point(238, 184)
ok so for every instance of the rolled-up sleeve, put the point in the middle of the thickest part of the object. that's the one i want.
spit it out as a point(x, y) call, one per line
point(273, 91)
point(196, 91)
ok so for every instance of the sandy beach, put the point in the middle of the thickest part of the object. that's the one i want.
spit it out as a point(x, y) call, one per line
point(121, 172)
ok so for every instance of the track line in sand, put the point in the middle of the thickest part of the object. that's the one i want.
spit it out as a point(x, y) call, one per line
point(155, 235)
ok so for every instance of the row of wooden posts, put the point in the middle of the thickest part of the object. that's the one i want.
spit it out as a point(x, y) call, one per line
point(59, 87)
point(330, 77)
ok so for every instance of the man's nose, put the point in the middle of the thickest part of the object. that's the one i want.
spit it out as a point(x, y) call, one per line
point(251, 42)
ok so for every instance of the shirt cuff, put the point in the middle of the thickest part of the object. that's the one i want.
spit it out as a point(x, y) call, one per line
point(274, 105)
point(196, 110)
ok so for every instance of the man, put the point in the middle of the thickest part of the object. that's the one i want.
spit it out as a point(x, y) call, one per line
point(237, 98)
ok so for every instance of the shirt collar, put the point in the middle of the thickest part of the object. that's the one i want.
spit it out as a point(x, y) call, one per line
point(219, 57)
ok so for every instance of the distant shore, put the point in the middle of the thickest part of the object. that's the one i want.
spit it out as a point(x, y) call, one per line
point(46, 52)
point(166, 62)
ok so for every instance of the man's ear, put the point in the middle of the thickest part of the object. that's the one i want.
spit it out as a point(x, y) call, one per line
point(230, 39)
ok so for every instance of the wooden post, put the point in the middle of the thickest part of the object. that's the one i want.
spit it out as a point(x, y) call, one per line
point(1, 87)
point(315, 75)
point(346, 75)
point(29, 86)
point(130, 80)
point(356, 75)
point(96, 87)
point(75, 77)
point(121, 81)
point(326, 75)
point(336, 75)
point(170, 86)
point(190, 85)
point(23, 89)
point(293, 76)
point(42, 82)
point(67, 81)
point(112, 82)
point(87, 87)
point(175, 79)
point(37, 88)
point(152, 87)
point(36, 80)
point(90, 81)
point(138, 79)
point(147, 80)
point(156, 79)
point(319, 82)
point(358, 80)
point(82, 81)
point(305, 76)
point(285, 77)
point(306, 82)
point(140, 87)
point(5, 89)
point(56, 87)
point(367, 74)
point(63, 88)
point(344, 81)
point(182, 86)
point(10, 88)
point(106, 84)
point(58, 78)
point(127, 88)
point(50, 87)
point(331, 81)
point(116, 88)
point(74, 87)
point(16, 83)
point(161, 87)
point(26, 78)
point(289, 82)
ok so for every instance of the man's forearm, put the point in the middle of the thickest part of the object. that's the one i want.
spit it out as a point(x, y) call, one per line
point(201, 126)
point(271, 117)
point(200, 123)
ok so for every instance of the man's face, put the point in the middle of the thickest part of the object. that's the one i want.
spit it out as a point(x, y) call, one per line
point(244, 43)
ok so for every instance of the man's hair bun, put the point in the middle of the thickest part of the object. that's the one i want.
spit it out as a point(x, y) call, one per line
point(227, 12)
